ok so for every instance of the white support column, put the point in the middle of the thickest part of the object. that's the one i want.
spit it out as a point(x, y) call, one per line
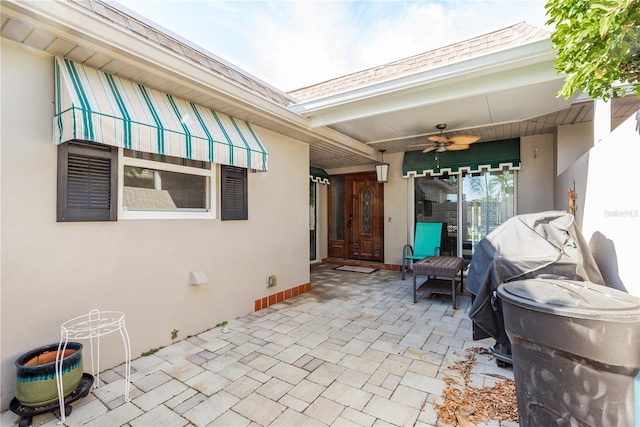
point(601, 120)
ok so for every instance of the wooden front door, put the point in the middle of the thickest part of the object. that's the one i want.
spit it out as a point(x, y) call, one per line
point(364, 213)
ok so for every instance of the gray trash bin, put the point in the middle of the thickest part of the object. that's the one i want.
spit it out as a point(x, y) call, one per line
point(576, 353)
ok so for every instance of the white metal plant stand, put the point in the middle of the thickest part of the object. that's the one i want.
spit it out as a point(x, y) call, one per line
point(89, 326)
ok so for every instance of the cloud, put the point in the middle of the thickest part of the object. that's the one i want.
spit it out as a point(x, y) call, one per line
point(304, 43)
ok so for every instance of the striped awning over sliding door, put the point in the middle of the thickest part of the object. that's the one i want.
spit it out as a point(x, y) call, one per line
point(95, 106)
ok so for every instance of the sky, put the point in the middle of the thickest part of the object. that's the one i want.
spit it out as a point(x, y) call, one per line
point(296, 43)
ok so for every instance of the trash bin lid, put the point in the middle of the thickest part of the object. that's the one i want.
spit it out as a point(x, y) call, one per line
point(572, 299)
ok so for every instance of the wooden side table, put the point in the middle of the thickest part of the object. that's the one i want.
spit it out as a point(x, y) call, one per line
point(435, 267)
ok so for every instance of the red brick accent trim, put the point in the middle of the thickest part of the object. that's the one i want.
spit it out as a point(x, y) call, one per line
point(265, 302)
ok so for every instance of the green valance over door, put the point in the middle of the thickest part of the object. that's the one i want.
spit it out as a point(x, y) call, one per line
point(491, 156)
point(318, 175)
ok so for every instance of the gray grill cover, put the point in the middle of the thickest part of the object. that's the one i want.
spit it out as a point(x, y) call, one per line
point(545, 244)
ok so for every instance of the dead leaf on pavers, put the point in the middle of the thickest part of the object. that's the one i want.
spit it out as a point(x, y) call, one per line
point(465, 405)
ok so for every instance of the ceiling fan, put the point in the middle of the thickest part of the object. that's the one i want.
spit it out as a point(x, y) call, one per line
point(456, 143)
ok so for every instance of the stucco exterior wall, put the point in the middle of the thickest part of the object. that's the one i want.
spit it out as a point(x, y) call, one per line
point(396, 210)
point(573, 142)
point(537, 174)
point(611, 205)
point(608, 209)
point(574, 178)
point(52, 272)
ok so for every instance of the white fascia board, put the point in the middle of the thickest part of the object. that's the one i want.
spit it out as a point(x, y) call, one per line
point(519, 57)
point(424, 96)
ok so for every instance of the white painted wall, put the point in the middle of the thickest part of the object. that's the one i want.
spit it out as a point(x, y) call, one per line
point(611, 220)
point(573, 142)
point(574, 178)
point(396, 210)
point(52, 272)
point(537, 174)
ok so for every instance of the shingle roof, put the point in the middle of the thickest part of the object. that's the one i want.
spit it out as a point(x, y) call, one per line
point(514, 35)
point(191, 53)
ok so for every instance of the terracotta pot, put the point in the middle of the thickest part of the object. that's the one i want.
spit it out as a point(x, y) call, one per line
point(36, 374)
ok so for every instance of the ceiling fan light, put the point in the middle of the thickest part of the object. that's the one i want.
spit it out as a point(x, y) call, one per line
point(464, 139)
point(441, 148)
point(457, 147)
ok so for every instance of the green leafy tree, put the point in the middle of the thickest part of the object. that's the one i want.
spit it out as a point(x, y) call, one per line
point(598, 44)
point(502, 184)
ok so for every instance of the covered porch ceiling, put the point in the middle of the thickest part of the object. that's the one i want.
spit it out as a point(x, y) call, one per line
point(497, 96)
point(506, 94)
point(418, 123)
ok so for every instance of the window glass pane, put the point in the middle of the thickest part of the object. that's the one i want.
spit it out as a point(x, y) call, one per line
point(337, 207)
point(150, 189)
point(366, 211)
point(487, 202)
point(436, 200)
point(167, 159)
point(312, 221)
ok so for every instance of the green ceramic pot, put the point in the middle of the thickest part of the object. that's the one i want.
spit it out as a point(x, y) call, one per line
point(36, 374)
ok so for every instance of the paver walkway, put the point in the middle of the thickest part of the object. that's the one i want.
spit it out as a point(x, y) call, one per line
point(354, 351)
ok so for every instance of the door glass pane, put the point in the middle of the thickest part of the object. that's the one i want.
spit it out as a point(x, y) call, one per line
point(436, 200)
point(337, 207)
point(366, 211)
point(487, 202)
point(312, 221)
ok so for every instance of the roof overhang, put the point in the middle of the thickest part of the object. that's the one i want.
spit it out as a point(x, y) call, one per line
point(499, 87)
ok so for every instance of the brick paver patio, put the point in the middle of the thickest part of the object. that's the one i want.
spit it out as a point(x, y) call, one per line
point(354, 351)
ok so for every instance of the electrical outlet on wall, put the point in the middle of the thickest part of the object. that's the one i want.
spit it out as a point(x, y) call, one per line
point(271, 281)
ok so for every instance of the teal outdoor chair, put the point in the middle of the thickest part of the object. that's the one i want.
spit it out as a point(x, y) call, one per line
point(427, 242)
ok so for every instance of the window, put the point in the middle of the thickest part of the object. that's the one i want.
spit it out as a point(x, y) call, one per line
point(234, 198)
point(87, 182)
point(165, 187)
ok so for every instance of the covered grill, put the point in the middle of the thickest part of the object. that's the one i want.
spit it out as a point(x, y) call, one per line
point(539, 245)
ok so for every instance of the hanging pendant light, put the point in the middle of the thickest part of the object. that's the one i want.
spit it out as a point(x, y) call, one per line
point(382, 169)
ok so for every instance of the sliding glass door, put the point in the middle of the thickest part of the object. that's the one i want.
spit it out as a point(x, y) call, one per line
point(470, 206)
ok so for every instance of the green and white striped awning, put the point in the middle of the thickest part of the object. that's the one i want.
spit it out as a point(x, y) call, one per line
point(95, 106)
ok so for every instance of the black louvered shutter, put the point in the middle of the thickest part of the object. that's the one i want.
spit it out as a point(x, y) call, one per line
point(233, 196)
point(87, 188)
